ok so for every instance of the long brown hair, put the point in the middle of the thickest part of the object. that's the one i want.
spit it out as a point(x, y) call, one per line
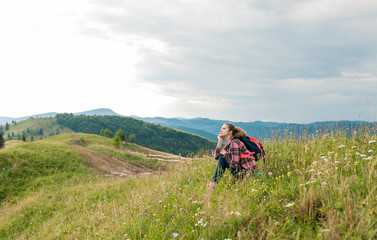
point(237, 131)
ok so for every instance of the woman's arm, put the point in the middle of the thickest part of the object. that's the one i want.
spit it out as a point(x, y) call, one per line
point(218, 150)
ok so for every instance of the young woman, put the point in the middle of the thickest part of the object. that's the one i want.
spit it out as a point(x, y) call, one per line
point(234, 156)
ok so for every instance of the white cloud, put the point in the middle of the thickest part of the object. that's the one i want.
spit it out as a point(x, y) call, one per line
point(294, 61)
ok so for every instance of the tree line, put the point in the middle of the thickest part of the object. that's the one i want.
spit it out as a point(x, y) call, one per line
point(146, 134)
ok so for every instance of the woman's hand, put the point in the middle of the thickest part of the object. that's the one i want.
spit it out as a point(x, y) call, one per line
point(219, 141)
point(219, 138)
point(222, 151)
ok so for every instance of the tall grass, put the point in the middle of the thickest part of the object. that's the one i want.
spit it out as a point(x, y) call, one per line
point(313, 187)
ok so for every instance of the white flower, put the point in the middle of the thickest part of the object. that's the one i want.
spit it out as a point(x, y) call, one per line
point(353, 146)
point(237, 213)
point(372, 141)
point(341, 146)
point(370, 151)
point(289, 204)
point(336, 161)
point(324, 183)
point(253, 190)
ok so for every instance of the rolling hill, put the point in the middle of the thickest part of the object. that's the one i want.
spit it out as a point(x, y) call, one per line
point(209, 128)
point(99, 111)
point(149, 135)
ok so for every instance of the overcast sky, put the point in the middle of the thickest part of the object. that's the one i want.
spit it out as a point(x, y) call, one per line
point(245, 60)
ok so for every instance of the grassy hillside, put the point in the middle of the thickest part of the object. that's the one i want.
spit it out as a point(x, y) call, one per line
point(320, 187)
point(150, 135)
point(36, 127)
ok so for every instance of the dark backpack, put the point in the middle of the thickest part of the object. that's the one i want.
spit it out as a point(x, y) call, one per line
point(254, 146)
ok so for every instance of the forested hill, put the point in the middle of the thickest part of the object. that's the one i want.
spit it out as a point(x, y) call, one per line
point(149, 135)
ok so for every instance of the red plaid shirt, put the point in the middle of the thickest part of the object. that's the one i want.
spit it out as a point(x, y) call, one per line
point(234, 148)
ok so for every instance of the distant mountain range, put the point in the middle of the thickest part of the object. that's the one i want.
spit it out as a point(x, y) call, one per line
point(263, 130)
point(209, 128)
point(99, 112)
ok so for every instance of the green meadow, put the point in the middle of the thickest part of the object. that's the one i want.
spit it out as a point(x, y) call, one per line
point(311, 187)
point(36, 127)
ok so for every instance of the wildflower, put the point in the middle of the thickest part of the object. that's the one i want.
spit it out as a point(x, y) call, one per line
point(289, 204)
point(353, 147)
point(370, 151)
point(363, 203)
point(288, 174)
point(372, 212)
point(341, 146)
point(175, 235)
point(324, 183)
point(253, 190)
point(336, 162)
point(372, 141)
point(270, 173)
point(237, 213)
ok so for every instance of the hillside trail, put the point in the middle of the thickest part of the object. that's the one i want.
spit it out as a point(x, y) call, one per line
point(109, 165)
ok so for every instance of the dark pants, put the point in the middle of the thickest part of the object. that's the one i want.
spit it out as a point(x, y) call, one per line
point(222, 165)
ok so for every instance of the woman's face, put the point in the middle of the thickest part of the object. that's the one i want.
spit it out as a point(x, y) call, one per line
point(224, 131)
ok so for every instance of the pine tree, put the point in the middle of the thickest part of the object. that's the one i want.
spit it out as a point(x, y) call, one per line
point(121, 135)
point(1, 141)
point(116, 141)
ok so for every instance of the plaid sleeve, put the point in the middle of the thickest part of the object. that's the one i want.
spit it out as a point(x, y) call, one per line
point(217, 152)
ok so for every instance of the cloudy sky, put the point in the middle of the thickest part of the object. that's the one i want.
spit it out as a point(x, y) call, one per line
point(284, 61)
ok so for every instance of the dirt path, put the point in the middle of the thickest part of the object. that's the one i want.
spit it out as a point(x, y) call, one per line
point(107, 164)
